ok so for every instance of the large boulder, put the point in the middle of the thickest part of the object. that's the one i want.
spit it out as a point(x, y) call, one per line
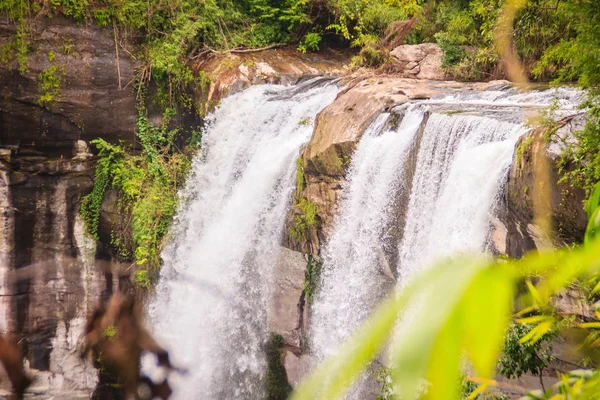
point(421, 61)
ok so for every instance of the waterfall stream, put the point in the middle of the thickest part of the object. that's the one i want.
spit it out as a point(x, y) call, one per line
point(355, 267)
point(423, 183)
point(446, 182)
point(460, 168)
point(212, 299)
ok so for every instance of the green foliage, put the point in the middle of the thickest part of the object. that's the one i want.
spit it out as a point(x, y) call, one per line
point(143, 279)
point(305, 210)
point(371, 56)
point(110, 157)
point(522, 357)
point(580, 162)
point(464, 307)
point(276, 384)
point(109, 332)
point(311, 42)
point(306, 217)
point(312, 277)
point(300, 180)
point(364, 22)
point(147, 184)
point(384, 378)
point(49, 85)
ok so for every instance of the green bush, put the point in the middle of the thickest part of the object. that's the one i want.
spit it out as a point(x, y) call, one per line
point(311, 42)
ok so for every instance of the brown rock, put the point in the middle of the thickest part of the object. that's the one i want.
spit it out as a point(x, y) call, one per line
point(296, 366)
point(564, 203)
point(288, 302)
point(421, 61)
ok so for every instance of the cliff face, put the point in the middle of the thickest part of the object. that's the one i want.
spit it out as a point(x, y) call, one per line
point(50, 275)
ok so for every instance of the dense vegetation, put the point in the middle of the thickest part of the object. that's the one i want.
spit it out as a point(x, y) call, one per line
point(554, 38)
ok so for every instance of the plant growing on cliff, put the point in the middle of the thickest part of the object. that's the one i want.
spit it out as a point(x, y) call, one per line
point(522, 356)
point(147, 184)
point(49, 81)
point(305, 218)
point(312, 277)
point(109, 157)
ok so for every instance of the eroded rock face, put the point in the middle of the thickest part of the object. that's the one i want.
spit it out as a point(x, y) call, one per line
point(90, 102)
point(563, 202)
point(49, 275)
point(230, 73)
point(421, 61)
point(48, 266)
point(286, 317)
point(52, 272)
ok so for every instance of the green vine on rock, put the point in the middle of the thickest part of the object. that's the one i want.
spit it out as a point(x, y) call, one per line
point(147, 186)
point(49, 81)
point(109, 156)
point(312, 277)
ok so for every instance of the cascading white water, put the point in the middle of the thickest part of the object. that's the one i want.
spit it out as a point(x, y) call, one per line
point(461, 163)
point(212, 299)
point(353, 277)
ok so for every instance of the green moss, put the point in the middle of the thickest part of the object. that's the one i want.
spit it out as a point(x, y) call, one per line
point(49, 81)
point(276, 384)
point(109, 332)
point(312, 277)
point(342, 162)
point(523, 148)
point(305, 219)
point(304, 121)
point(300, 180)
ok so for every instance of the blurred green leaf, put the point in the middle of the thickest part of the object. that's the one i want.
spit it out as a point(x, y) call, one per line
point(592, 204)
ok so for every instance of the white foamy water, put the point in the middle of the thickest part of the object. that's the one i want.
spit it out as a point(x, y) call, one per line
point(354, 269)
point(214, 291)
point(461, 166)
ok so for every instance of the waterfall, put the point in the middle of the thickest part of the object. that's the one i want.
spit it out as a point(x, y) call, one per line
point(212, 299)
point(449, 194)
point(355, 268)
point(461, 164)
